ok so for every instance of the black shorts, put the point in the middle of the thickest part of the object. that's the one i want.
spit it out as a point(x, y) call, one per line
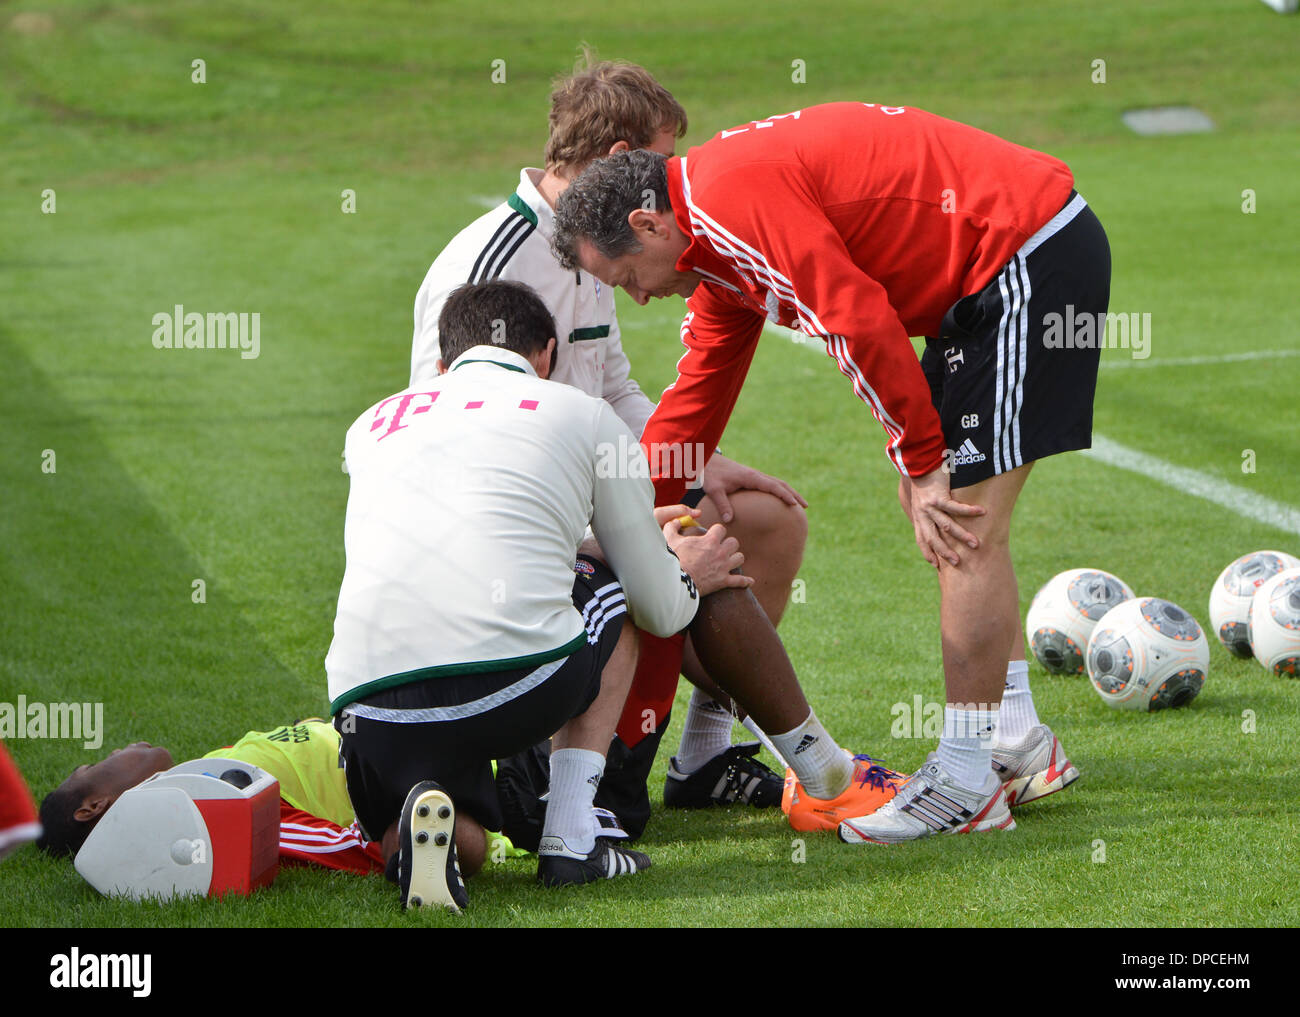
point(1013, 373)
point(449, 729)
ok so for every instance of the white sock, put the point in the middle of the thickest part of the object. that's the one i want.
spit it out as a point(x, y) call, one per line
point(575, 775)
point(1017, 715)
point(966, 748)
point(821, 765)
point(707, 732)
point(758, 733)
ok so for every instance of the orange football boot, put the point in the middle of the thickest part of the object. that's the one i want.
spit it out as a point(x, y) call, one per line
point(872, 785)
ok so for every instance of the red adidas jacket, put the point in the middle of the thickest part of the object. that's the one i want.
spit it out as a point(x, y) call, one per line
point(856, 223)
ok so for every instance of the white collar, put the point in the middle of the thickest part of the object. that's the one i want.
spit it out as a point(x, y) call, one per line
point(495, 355)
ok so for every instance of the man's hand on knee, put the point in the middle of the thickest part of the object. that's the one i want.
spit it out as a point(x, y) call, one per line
point(932, 510)
point(709, 559)
point(722, 477)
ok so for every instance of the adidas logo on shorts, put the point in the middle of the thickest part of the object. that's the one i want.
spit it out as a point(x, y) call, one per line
point(968, 454)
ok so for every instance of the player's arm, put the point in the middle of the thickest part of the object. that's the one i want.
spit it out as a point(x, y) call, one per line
point(720, 338)
point(661, 597)
point(847, 308)
point(851, 311)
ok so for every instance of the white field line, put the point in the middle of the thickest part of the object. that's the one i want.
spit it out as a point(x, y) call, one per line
point(1222, 358)
point(1236, 499)
point(1203, 485)
point(799, 339)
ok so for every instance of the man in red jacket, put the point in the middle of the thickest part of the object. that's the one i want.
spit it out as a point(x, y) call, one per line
point(863, 225)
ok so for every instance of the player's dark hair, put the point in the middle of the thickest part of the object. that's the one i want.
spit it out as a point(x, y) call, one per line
point(62, 833)
point(596, 205)
point(498, 312)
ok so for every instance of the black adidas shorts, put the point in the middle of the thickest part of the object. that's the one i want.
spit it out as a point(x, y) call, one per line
point(449, 729)
point(1009, 379)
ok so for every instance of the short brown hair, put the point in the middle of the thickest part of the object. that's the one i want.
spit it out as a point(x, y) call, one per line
point(498, 312)
point(603, 103)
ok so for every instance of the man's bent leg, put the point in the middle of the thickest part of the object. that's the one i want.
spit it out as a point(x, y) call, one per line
point(570, 851)
point(593, 729)
point(741, 649)
point(772, 536)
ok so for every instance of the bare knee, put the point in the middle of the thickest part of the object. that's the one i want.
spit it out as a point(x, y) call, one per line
point(762, 519)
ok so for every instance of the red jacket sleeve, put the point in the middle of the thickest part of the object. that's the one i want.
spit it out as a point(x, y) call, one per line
point(796, 252)
point(720, 338)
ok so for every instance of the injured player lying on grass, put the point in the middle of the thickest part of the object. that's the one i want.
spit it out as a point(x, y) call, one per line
point(317, 826)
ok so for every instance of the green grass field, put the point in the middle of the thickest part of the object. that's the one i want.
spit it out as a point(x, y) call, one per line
point(175, 466)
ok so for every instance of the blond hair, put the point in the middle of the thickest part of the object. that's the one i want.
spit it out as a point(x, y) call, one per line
point(603, 103)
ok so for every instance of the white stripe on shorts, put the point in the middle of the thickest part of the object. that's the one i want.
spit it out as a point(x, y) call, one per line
point(1026, 292)
point(460, 711)
point(1010, 377)
point(1054, 225)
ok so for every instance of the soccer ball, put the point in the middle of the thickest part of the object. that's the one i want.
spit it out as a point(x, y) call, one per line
point(1235, 589)
point(1064, 613)
point(1148, 654)
point(1274, 626)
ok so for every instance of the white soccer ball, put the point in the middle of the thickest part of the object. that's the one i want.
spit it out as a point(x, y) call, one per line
point(1274, 626)
point(1064, 613)
point(1235, 589)
point(1148, 654)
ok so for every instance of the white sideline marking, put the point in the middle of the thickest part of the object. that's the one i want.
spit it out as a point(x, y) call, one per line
point(799, 339)
point(1222, 358)
point(1203, 485)
point(486, 200)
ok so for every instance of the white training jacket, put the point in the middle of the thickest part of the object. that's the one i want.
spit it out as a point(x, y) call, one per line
point(513, 241)
point(469, 497)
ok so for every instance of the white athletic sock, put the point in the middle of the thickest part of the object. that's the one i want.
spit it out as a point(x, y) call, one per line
point(575, 775)
point(707, 732)
point(821, 766)
point(966, 748)
point(1017, 715)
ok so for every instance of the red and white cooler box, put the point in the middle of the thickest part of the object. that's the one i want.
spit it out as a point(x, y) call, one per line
point(186, 832)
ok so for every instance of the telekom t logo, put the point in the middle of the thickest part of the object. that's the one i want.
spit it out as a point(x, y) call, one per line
point(405, 400)
point(403, 404)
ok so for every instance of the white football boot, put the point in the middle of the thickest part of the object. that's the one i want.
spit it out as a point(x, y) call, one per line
point(1034, 768)
point(929, 802)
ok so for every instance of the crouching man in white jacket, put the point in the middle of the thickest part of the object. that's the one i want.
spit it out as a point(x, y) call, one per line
point(467, 630)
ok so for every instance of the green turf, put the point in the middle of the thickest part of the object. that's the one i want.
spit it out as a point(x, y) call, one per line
point(175, 466)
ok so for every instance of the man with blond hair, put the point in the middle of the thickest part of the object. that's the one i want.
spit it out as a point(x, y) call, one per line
point(603, 108)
